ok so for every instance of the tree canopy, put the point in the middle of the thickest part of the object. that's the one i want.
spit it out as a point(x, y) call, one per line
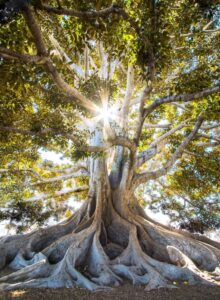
point(50, 81)
point(128, 93)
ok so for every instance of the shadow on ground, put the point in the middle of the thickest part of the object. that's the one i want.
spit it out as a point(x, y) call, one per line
point(125, 292)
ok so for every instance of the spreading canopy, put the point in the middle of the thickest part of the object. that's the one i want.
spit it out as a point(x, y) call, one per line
point(149, 69)
point(128, 93)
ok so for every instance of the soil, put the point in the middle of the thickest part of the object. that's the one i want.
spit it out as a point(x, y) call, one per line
point(125, 292)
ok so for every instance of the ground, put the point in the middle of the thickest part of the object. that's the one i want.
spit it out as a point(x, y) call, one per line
point(125, 292)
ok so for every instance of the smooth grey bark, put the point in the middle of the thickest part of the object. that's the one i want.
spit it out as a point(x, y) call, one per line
point(109, 239)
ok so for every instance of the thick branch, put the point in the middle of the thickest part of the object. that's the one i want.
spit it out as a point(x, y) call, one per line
point(128, 94)
point(80, 14)
point(157, 125)
point(62, 177)
point(148, 175)
point(142, 98)
point(9, 54)
point(49, 66)
point(56, 194)
point(73, 67)
point(145, 156)
point(153, 149)
point(117, 141)
point(181, 98)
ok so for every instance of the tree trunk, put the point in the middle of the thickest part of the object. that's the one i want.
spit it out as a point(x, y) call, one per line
point(110, 238)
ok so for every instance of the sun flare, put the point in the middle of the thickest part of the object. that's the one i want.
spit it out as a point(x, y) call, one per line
point(107, 113)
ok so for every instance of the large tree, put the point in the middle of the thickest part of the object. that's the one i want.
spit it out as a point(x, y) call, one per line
point(129, 92)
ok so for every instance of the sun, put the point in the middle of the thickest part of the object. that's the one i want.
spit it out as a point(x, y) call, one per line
point(107, 113)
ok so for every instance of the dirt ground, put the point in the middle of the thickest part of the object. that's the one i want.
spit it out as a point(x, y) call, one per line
point(125, 292)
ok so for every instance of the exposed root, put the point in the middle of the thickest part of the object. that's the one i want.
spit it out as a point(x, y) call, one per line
point(39, 269)
point(100, 247)
point(205, 256)
point(29, 244)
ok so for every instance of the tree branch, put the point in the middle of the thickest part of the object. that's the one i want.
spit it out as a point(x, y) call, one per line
point(142, 98)
point(60, 193)
point(208, 137)
point(153, 147)
point(36, 174)
point(148, 125)
point(128, 95)
point(145, 156)
point(73, 67)
point(78, 166)
point(148, 175)
point(206, 145)
point(49, 66)
point(117, 141)
point(66, 176)
point(181, 98)
point(162, 126)
point(61, 178)
point(203, 30)
point(209, 127)
point(103, 72)
point(9, 54)
point(75, 13)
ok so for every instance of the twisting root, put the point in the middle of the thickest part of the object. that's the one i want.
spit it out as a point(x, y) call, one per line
point(28, 244)
point(205, 256)
point(102, 245)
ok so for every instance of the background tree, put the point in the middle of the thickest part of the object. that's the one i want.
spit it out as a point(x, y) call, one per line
point(129, 92)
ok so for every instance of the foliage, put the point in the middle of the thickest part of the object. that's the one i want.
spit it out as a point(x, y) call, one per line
point(185, 61)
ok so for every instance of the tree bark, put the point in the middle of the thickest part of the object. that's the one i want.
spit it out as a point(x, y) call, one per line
point(110, 238)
